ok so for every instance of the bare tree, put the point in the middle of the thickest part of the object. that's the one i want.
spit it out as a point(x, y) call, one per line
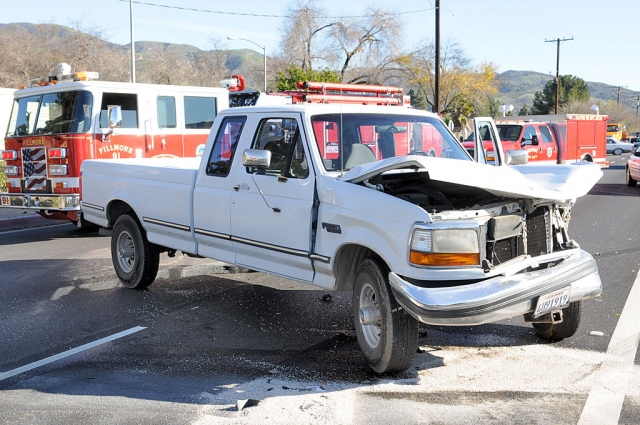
point(366, 45)
point(304, 36)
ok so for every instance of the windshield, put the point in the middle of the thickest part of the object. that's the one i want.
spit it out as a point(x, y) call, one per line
point(348, 140)
point(509, 133)
point(54, 113)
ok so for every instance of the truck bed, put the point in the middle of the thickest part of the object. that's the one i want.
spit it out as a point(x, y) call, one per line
point(155, 178)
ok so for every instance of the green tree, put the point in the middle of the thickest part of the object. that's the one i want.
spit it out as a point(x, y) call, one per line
point(418, 100)
point(571, 88)
point(524, 110)
point(287, 80)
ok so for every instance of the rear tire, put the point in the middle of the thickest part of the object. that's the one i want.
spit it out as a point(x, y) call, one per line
point(387, 334)
point(618, 151)
point(571, 317)
point(134, 258)
point(631, 182)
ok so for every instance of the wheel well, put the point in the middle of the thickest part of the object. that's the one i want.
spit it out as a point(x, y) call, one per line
point(116, 209)
point(587, 158)
point(347, 260)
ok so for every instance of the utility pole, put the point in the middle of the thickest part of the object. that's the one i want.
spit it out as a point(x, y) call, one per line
point(620, 87)
point(436, 90)
point(558, 40)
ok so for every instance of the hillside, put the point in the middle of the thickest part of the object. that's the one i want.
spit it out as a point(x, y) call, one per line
point(519, 87)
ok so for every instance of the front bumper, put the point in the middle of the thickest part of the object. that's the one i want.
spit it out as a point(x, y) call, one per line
point(503, 296)
point(70, 202)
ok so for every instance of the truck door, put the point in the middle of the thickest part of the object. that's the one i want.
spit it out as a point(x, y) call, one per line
point(127, 138)
point(271, 210)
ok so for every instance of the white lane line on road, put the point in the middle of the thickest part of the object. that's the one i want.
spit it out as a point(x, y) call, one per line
point(606, 397)
point(68, 353)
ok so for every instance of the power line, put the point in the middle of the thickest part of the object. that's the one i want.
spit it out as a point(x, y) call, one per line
point(220, 12)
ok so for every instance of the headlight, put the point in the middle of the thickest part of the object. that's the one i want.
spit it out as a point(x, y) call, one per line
point(58, 170)
point(444, 247)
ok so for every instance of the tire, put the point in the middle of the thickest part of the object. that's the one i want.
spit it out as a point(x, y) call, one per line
point(134, 258)
point(571, 316)
point(617, 151)
point(631, 182)
point(387, 334)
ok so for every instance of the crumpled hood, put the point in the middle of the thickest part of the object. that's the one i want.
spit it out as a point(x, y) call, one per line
point(552, 181)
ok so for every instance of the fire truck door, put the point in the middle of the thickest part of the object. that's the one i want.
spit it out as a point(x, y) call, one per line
point(121, 132)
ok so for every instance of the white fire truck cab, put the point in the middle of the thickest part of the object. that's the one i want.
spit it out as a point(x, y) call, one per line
point(59, 121)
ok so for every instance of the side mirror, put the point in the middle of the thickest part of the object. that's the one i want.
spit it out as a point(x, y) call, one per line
point(534, 140)
point(114, 113)
point(259, 158)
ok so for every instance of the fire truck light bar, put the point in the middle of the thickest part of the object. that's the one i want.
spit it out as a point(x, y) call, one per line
point(58, 153)
point(9, 155)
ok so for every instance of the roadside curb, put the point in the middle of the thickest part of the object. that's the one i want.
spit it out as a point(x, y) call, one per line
point(27, 221)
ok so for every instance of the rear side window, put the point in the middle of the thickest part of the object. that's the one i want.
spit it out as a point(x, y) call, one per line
point(199, 112)
point(224, 146)
point(166, 112)
point(546, 134)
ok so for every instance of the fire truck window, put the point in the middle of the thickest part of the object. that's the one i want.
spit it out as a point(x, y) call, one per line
point(199, 112)
point(166, 112)
point(65, 112)
point(23, 116)
point(129, 105)
point(546, 134)
point(224, 146)
point(529, 132)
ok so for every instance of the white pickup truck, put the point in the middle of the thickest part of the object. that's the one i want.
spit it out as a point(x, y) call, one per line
point(382, 201)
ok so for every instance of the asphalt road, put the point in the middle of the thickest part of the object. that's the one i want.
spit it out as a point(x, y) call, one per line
point(204, 336)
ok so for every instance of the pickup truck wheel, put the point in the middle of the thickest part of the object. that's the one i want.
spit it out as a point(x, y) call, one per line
point(631, 182)
point(135, 259)
point(387, 334)
point(571, 317)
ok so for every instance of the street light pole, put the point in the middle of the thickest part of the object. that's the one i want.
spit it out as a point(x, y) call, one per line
point(133, 47)
point(264, 53)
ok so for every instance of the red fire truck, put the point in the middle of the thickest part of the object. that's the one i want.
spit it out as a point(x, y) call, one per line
point(399, 136)
point(58, 121)
point(573, 137)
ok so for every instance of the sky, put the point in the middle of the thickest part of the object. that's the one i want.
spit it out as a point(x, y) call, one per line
point(515, 35)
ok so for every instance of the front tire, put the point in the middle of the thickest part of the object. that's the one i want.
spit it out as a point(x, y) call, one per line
point(571, 316)
point(387, 334)
point(617, 151)
point(134, 258)
point(631, 182)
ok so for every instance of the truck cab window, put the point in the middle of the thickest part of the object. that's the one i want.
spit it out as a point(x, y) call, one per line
point(281, 136)
point(224, 146)
point(129, 105)
point(546, 134)
point(529, 133)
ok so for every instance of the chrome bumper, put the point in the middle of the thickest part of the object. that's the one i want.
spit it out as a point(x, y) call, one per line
point(500, 297)
point(69, 202)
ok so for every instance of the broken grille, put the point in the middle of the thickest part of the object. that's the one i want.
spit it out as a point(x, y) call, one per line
point(508, 235)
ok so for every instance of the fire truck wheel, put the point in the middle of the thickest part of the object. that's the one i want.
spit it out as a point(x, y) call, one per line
point(570, 321)
point(135, 259)
point(631, 182)
point(386, 333)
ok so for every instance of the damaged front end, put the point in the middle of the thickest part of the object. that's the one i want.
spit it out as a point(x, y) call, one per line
point(485, 256)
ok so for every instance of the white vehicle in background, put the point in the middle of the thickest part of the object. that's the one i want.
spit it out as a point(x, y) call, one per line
point(617, 147)
point(6, 100)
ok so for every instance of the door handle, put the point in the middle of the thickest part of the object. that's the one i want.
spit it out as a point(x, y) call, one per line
point(241, 186)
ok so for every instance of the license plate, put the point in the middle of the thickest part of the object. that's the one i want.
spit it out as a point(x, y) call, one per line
point(556, 300)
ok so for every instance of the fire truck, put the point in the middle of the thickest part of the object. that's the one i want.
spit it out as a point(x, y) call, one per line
point(58, 121)
point(383, 141)
point(573, 137)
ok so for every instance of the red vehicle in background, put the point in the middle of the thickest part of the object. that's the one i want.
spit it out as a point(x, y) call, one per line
point(60, 120)
point(554, 139)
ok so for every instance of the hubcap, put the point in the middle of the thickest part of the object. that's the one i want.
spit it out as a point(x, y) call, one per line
point(126, 251)
point(369, 315)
